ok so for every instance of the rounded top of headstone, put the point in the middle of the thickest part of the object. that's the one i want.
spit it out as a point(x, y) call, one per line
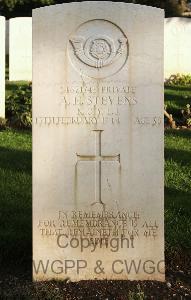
point(97, 3)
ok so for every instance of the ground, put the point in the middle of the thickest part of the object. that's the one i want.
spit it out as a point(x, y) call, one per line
point(16, 223)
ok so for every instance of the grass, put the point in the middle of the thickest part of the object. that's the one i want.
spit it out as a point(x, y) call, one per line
point(16, 188)
point(15, 198)
point(176, 99)
point(178, 189)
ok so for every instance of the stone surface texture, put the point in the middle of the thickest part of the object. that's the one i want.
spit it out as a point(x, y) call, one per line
point(20, 49)
point(177, 47)
point(98, 141)
point(176, 51)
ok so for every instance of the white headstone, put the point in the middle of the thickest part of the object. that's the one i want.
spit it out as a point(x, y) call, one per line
point(20, 49)
point(177, 47)
point(2, 67)
point(98, 142)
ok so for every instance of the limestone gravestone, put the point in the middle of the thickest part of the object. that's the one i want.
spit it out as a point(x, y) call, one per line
point(20, 49)
point(2, 67)
point(177, 46)
point(98, 142)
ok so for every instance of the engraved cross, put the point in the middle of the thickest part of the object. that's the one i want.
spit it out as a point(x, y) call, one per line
point(98, 158)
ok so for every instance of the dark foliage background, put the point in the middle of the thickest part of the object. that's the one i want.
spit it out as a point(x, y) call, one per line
point(18, 8)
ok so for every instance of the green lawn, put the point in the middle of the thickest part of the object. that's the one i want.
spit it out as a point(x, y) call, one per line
point(178, 188)
point(16, 189)
point(178, 173)
point(15, 198)
point(176, 99)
